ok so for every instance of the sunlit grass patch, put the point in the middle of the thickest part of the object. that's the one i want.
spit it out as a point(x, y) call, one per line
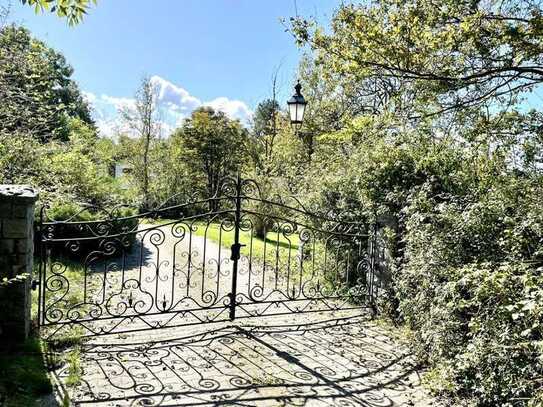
point(256, 247)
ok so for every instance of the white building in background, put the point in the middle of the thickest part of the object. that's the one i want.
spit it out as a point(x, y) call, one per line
point(121, 170)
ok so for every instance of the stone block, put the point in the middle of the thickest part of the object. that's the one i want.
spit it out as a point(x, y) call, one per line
point(6, 261)
point(14, 331)
point(7, 246)
point(18, 269)
point(21, 211)
point(15, 309)
point(16, 248)
point(5, 210)
point(18, 193)
point(15, 228)
point(21, 246)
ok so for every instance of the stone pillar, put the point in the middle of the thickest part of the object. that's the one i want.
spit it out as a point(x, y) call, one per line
point(16, 260)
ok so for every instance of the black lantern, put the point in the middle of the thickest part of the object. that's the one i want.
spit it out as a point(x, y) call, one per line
point(296, 106)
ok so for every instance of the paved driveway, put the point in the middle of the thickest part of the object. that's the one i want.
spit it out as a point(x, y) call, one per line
point(311, 360)
point(340, 358)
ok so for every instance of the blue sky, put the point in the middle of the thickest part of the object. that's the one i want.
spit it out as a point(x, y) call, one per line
point(217, 52)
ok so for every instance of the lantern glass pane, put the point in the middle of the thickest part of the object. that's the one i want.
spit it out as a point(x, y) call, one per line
point(300, 112)
point(292, 107)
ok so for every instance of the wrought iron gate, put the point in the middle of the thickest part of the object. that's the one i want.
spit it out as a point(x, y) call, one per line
point(236, 254)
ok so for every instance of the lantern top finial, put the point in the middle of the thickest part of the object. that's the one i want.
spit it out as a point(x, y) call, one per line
point(298, 89)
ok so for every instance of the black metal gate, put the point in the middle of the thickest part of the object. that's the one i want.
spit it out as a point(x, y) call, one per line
point(234, 255)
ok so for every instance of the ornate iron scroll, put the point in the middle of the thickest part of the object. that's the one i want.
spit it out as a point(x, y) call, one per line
point(236, 254)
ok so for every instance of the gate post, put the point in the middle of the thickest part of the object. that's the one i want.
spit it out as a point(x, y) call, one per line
point(16, 260)
point(236, 247)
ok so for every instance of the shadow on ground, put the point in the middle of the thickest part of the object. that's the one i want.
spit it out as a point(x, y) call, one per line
point(347, 361)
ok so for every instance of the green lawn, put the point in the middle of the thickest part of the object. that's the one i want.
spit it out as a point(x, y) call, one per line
point(274, 242)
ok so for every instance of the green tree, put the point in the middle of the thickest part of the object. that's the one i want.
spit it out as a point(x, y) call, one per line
point(434, 57)
point(264, 131)
point(417, 108)
point(38, 95)
point(143, 121)
point(212, 145)
point(72, 10)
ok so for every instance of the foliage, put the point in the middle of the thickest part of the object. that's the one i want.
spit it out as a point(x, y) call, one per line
point(72, 10)
point(212, 145)
point(418, 117)
point(143, 122)
point(472, 291)
point(73, 359)
point(38, 95)
point(119, 220)
point(467, 248)
point(47, 137)
point(264, 131)
point(175, 180)
point(433, 57)
point(76, 170)
point(23, 376)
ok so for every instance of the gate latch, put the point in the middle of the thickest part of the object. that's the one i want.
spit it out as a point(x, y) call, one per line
point(34, 285)
point(236, 249)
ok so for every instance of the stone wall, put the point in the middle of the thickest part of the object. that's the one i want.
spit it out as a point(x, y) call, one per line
point(16, 259)
point(15, 306)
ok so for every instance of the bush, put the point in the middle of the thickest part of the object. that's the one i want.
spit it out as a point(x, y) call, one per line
point(480, 331)
point(471, 289)
point(74, 222)
point(468, 256)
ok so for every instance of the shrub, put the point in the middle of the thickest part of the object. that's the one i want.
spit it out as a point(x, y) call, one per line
point(97, 228)
point(468, 257)
point(471, 289)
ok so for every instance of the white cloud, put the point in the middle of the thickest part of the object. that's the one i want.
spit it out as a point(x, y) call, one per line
point(119, 103)
point(107, 128)
point(235, 109)
point(175, 105)
point(174, 96)
point(89, 97)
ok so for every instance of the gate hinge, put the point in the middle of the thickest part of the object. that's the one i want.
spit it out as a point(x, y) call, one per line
point(236, 251)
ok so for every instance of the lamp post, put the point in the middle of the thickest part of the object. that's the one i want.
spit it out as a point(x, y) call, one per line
point(296, 107)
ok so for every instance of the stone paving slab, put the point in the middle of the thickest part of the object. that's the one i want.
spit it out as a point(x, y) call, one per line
point(322, 359)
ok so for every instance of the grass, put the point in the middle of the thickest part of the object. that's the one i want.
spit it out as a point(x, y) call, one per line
point(74, 273)
point(70, 338)
point(275, 249)
point(274, 242)
point(23, 375)
point(267, 380)
point(65, 348)
point(73, 359)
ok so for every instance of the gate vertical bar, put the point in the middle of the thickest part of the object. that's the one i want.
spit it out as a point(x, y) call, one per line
point(373, 265)
point(235, 249)
point(37, 239)
point(42, 270)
